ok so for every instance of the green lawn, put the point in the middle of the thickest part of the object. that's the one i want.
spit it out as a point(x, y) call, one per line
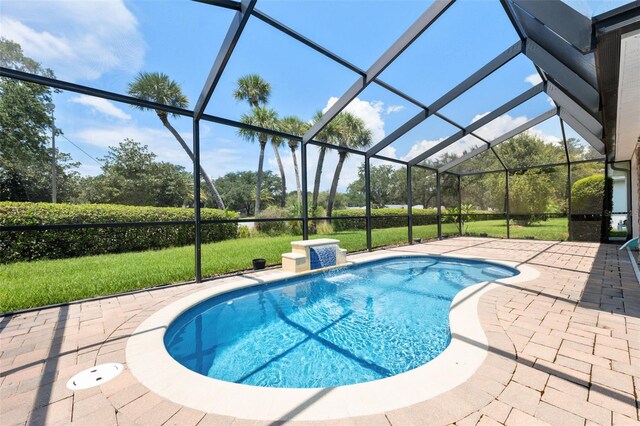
point(29, 284)
point(551, 229)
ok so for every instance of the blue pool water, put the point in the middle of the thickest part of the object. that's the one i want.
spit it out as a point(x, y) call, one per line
point(343, 326)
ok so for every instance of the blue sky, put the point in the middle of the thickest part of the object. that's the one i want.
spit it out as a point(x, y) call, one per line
point(106, 43)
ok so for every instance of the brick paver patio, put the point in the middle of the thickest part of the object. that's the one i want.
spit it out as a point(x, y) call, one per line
point(564, 350)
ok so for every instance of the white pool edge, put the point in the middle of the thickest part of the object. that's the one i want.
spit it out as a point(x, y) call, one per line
point(151, 364)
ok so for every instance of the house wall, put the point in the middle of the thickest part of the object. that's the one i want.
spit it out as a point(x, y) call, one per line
point(635, 188)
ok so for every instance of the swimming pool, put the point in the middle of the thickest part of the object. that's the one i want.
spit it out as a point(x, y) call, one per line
point(339, 327)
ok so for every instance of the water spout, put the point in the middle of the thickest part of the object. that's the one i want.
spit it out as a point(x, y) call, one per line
point(322, 256)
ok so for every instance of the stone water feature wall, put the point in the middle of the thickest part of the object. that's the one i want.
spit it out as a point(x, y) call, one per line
point(313, 254)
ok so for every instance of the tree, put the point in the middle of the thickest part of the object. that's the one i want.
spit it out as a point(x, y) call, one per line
point(527, 149)
point(339, 202)
point(388, 186)
point(486, 161)
point(260, 116)
point(239, 189)
point(158, 87)
point(256, 91)
point(488, 190)
point(353, 134)
point(423, 187)
point(328, 134)
point(253, 89)
point(275, 144)
point(131, 176)
point(485, 191)
point(529, 193)
point(295, 126)
point(581, 150)
point(25, 131)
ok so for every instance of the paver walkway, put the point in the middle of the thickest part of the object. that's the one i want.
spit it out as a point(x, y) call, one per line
point(564, 350)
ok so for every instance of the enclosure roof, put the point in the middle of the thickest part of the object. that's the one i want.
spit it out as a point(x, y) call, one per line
point(559, 44)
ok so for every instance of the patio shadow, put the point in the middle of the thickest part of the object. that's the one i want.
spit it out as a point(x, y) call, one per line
point(609, 288)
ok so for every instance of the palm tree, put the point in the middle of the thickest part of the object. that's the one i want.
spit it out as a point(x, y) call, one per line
point(275, 144)
point(253, 89)
point(295, 126)
point(260, 116)
point(328, 134)
point(353, 134)
point(256, 91)
point(158, 87)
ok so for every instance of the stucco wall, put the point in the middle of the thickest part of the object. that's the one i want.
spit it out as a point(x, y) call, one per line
point(635, 188)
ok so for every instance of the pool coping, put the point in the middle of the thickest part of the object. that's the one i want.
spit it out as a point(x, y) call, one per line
point(150, 363)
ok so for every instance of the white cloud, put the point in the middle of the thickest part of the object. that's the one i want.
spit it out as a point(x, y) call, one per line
point(533, 79)
point(465, 144)
point(369, 112)
point(506, 123)
point(499, 126)
point(105, 137)
point(420, 147)
point(159, 141)
point(101, 105)
point(79, 40)
point(394, 108)
point(216, 162)
point(389, 151)
point(489, 132)
point(38, 44)
point(546, 137)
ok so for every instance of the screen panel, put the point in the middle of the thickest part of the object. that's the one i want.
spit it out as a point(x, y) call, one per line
point(483, 205)
point(106, 44)
point(275, 72)
point(440, 59)
point(538, 203)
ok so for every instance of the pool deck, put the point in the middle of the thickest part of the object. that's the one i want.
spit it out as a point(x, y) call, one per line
point(563, 349)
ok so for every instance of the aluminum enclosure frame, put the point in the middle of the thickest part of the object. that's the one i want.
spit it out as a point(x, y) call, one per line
point(578, 101)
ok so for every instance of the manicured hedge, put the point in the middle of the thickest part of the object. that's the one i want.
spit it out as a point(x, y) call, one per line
point(587, 195)
point(591, 195)
point(57, 244)
point(382, 218)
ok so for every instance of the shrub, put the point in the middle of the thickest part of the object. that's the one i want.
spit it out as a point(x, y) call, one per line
point(450, 215)
point(325, 228)
point(587, 195)
point(64, 243)
point(272, 228)
point(381, 218)
point(244, 232)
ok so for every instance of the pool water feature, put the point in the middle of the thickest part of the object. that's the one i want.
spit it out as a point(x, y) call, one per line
point(318, 253)
point(322, 256)
point(343, 326)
